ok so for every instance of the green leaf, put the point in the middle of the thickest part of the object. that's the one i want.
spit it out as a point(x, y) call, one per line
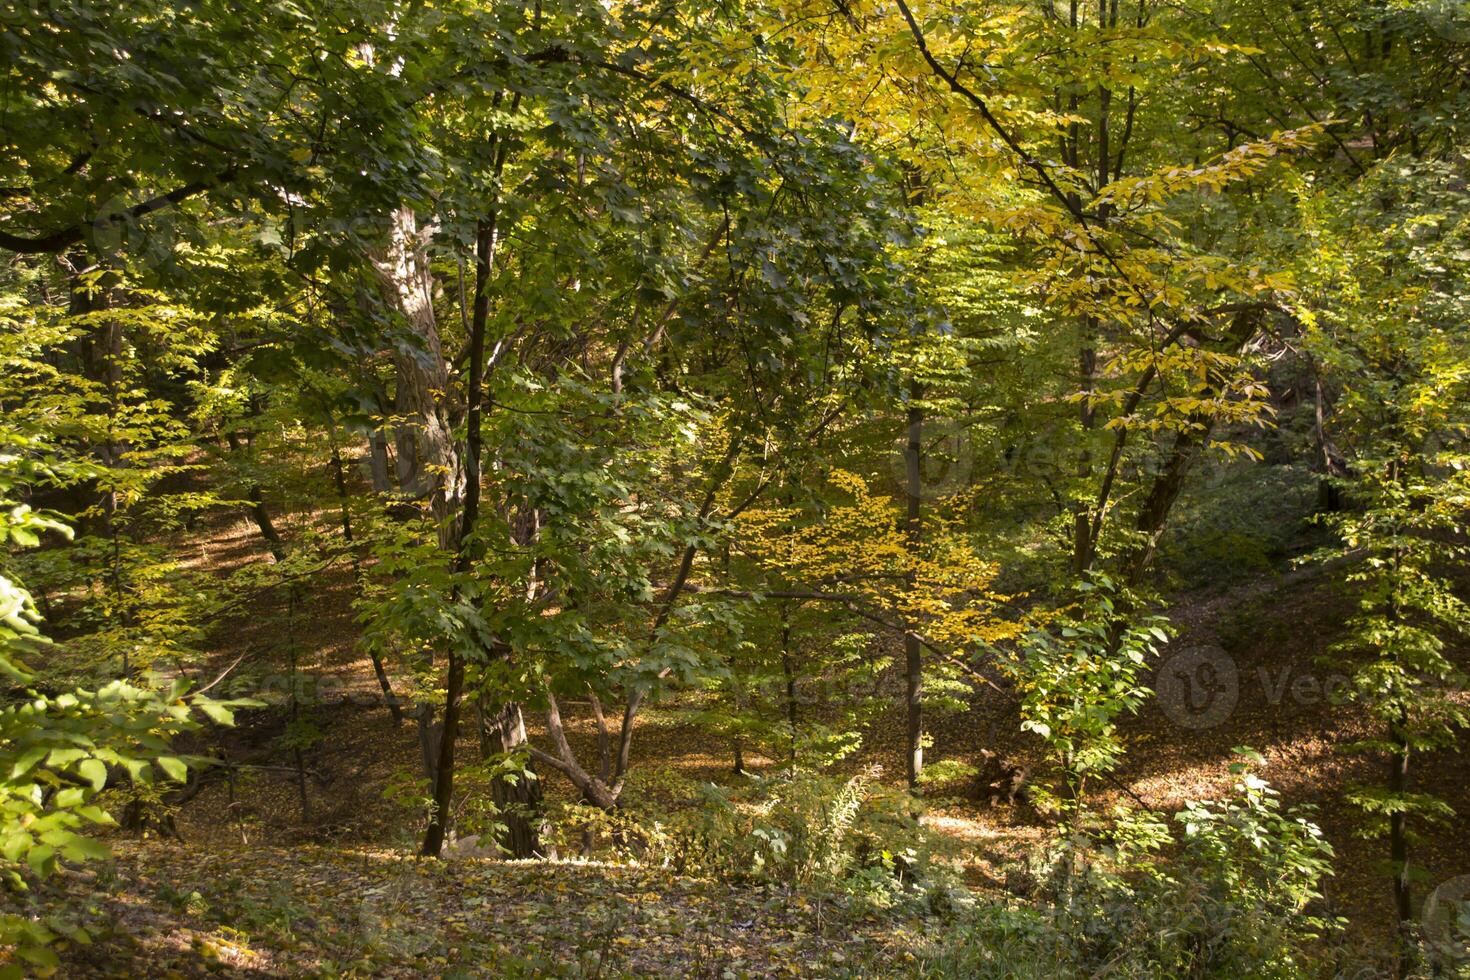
point(94, 771)
point(61, 758)
point(43, 956)
point(139, 770)
point(95, 814)
point(15, 844)
point(42, 859)
point(173, 767)
point(28, 761)
point(78, 848)
point(217, 712)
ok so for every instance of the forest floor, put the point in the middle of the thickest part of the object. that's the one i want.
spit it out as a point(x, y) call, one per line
point(184, 910)
point(258, 884)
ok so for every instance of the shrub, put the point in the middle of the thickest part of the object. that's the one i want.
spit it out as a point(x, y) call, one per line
point(802, 830)
point(1232, 899)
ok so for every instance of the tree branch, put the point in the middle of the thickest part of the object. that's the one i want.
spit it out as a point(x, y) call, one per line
point(64, 238)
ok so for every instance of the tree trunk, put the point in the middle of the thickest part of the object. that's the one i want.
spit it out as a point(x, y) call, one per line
point(1398, 850)
point(429, 461)
point(258, 511)
point(788, 668)
point(595, 790)
point(268, 531)
point(519, 802)
point(102, 364)
point(1083, 533)
point(339, 479)
point(912, 648)
point(429, 730)
point(444, 761)
point(1153, 514)
point(101, 356)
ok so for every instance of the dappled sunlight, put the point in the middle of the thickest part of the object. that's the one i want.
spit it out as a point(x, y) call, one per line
point(824, 488)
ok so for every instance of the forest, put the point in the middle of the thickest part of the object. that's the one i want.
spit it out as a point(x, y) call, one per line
point(754, 488)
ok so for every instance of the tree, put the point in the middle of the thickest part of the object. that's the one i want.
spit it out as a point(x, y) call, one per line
point(1394, 347)
point(61, 745)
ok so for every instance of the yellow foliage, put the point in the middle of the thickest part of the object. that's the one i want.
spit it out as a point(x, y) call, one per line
point(941, 588)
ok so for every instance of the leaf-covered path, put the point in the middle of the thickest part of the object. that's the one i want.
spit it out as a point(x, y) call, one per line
point(170, 910)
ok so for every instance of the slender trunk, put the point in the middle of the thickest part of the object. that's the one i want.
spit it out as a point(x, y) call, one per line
point(1153, 513)
point(101, 355)
point(1084, 534)
point(1329, 495)
point(1398, 785)
point(1398, 848)
point(1082, 518)
point(102, 364)
point(444, 763)
point(912, 648)
point(295, 710)
point(395, 710)
point(788, 668)
point(723, 473)
point(1086, 521)
point(121, 609)
point(339, 479)
point(457, 532)
point(263, 521)
point(258, 511)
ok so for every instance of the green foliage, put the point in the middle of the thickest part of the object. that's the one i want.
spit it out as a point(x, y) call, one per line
point(1081, 673)
point(794, 666)
point(630, 313)
point(803, 830)
point(60, 749)
point(1228, 895)
point(1239, 520)
point(1402, 423)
